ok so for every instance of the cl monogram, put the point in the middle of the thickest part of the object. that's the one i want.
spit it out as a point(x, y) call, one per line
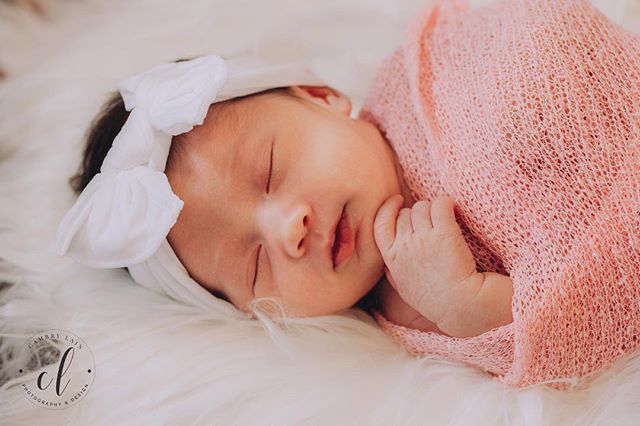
point(62, 369)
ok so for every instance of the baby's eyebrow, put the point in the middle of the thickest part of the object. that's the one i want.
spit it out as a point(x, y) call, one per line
point(247, 157)
point(234, 161)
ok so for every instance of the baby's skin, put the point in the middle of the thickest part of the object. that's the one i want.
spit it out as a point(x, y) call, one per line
point(264, 183)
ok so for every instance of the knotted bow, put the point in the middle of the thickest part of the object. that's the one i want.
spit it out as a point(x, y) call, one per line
point(127, 209)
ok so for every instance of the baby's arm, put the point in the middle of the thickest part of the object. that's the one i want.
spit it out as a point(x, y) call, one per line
point(480, 303)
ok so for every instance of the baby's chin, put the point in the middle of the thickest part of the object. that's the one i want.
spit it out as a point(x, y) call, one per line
point(374, 275)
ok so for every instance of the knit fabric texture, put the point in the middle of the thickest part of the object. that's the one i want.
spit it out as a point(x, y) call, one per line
point(527, 113)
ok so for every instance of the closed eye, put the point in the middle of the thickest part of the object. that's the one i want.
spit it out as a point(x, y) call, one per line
point(270, 168)
point(255, 277)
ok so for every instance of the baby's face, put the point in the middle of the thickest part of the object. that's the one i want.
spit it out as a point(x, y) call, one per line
point(232, 230)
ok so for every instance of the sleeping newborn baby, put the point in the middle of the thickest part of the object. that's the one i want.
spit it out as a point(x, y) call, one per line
point(473, 206)
point(280, 200)
point(282, 192)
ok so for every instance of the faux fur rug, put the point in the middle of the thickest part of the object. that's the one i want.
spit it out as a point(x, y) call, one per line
point(160, 362)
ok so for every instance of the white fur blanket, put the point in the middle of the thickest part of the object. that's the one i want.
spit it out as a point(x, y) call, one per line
point(159, 362)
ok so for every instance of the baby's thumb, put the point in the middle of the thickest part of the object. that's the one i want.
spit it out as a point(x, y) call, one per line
point(384, 225)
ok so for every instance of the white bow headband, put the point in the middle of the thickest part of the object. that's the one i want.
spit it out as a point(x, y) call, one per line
point(122, 217)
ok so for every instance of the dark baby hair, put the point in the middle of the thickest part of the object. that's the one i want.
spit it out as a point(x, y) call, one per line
point(100, 137)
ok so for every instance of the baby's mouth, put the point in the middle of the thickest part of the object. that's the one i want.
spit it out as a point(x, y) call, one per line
point(343, 243)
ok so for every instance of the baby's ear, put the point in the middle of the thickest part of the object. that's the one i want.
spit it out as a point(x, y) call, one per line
point(325, 96)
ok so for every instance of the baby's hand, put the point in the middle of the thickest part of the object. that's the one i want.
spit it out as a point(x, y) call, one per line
point(425, 254)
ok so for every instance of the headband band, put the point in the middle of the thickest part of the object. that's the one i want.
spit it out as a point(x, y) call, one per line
point(122, 217)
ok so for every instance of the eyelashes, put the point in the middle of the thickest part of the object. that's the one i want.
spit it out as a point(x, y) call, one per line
point(255, 276)
point(270, 169)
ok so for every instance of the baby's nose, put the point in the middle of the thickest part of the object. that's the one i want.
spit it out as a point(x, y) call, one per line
point(287, 227)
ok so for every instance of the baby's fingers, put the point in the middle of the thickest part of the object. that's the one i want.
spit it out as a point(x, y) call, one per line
point(421, 215)
point(403, 224)
point(442, 213)
point(384, 225)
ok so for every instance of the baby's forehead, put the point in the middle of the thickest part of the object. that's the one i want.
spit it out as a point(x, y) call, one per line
point(189, 149)
point(227, 128)
point(202, 157)
point(229, 122)
point(221, 117)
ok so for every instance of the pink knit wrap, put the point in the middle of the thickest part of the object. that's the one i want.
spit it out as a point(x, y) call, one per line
point(527, 113)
